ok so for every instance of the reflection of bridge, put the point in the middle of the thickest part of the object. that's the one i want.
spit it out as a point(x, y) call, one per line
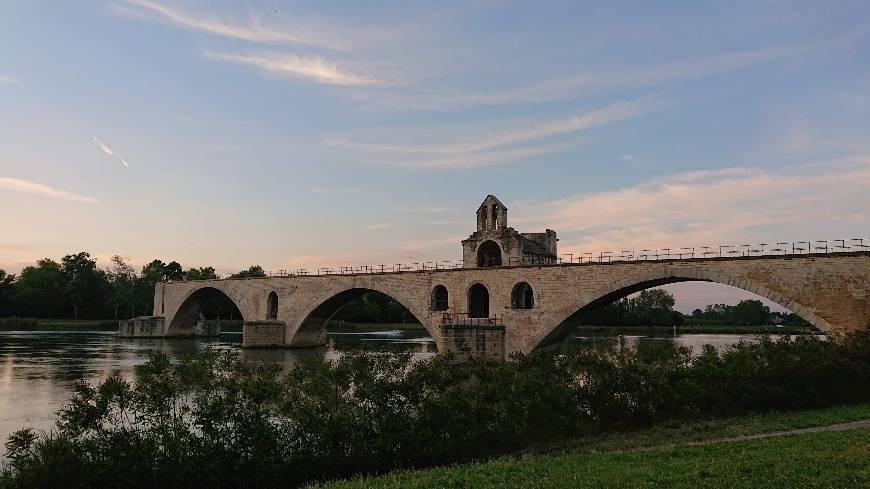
point(495, 309)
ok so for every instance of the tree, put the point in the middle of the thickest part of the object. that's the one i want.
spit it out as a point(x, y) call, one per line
point(86, 285)
point(123, 278)
point(41, 290)
point(7, 289)
point(152, 273)
point(751, 313)
point(653, 307)
point(253, 271)
point(201, 273)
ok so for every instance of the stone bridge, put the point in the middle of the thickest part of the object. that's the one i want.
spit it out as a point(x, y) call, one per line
point(511, 294)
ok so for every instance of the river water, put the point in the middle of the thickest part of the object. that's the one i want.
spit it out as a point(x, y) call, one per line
point(39, 369)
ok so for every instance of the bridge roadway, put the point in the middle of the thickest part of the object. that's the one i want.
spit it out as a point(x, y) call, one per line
point(498, 310)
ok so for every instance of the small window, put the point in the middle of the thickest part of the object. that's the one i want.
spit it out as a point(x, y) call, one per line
point(272, 306)
point(439, 298)
point(522, 296)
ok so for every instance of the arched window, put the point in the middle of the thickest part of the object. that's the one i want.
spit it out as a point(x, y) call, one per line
point(439, 298)
point(494, 217)
point(489, 255)
point(272, 306)
point(522, 296)
point(478, 301)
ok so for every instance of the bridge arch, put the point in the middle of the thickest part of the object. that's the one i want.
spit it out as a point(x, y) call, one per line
point(203, 303)
point(620, 289)
point(311, 329)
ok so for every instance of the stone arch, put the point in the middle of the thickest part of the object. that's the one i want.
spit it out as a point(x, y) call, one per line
point(311, 329)
point(522, 296)
point(196, 304)
point(440, 298)
point(272, 306)
point(478, 301)
point(620, 289)
point(489, 254)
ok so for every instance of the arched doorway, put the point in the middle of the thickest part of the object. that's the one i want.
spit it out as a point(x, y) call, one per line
point(522, 296)
point(478, 301)
point(489, 254)
point(272, 306)
point(203, 313)
point(440, 298)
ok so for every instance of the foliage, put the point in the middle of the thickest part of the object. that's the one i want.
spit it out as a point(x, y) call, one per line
point(201, 273)
point(7, 281)
point(651, 307)
point(210, 421)
point(375, 307)
point(253, 271)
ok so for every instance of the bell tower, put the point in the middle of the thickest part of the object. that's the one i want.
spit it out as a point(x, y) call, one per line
point(491, 215)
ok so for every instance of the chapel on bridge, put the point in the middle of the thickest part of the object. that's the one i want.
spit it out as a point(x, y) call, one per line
point(494, 244)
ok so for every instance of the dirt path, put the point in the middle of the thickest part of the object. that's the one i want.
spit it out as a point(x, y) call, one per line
point(852, 425)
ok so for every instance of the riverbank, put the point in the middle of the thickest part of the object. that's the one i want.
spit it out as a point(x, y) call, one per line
point(692, 329)
point(811, 448)
point(32, 324)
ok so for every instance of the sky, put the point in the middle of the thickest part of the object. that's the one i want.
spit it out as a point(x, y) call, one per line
point(326, 133)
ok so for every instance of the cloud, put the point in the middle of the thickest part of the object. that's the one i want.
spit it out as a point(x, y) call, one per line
point(494, 148)
point(600, 81)
point(311, 68)
point(628, 158)
point(377, 227)
point(581, 122)
point(255, 30)
point(726, 206)
point(8, 79)
point(34, 188)
point(108, 152)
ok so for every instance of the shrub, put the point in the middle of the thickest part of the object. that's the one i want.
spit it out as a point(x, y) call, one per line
point(210, 421)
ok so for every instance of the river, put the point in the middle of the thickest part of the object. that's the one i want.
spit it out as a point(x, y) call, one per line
point(39, 369)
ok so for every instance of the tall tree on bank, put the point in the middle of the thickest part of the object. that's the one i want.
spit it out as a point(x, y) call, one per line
point(123, 298)
point(86, 285)
point(40, 290)
point(7, 289)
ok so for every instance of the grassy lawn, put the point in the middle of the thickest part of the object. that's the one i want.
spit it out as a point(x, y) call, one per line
point(834, 459)
point(823, 460)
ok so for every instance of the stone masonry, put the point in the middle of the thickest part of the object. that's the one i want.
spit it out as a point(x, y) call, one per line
point(831, 291)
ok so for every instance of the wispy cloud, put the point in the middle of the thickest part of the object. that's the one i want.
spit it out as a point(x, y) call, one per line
point(255, 30)
point(8, 79)
point(108, 151)
point(38, 189)
point(495, 148)
point(571, 87)
point(710, 207)
point(379, 226)
point(311, 67)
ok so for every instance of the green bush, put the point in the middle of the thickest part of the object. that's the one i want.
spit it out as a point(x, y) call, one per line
point(211, 422)
point(16, 323)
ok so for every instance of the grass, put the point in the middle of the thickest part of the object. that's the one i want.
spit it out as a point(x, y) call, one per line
point(660, 458)
point(829, 460)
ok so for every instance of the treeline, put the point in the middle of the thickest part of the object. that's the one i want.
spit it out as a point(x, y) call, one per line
point(655, 307)
point(75, 287)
